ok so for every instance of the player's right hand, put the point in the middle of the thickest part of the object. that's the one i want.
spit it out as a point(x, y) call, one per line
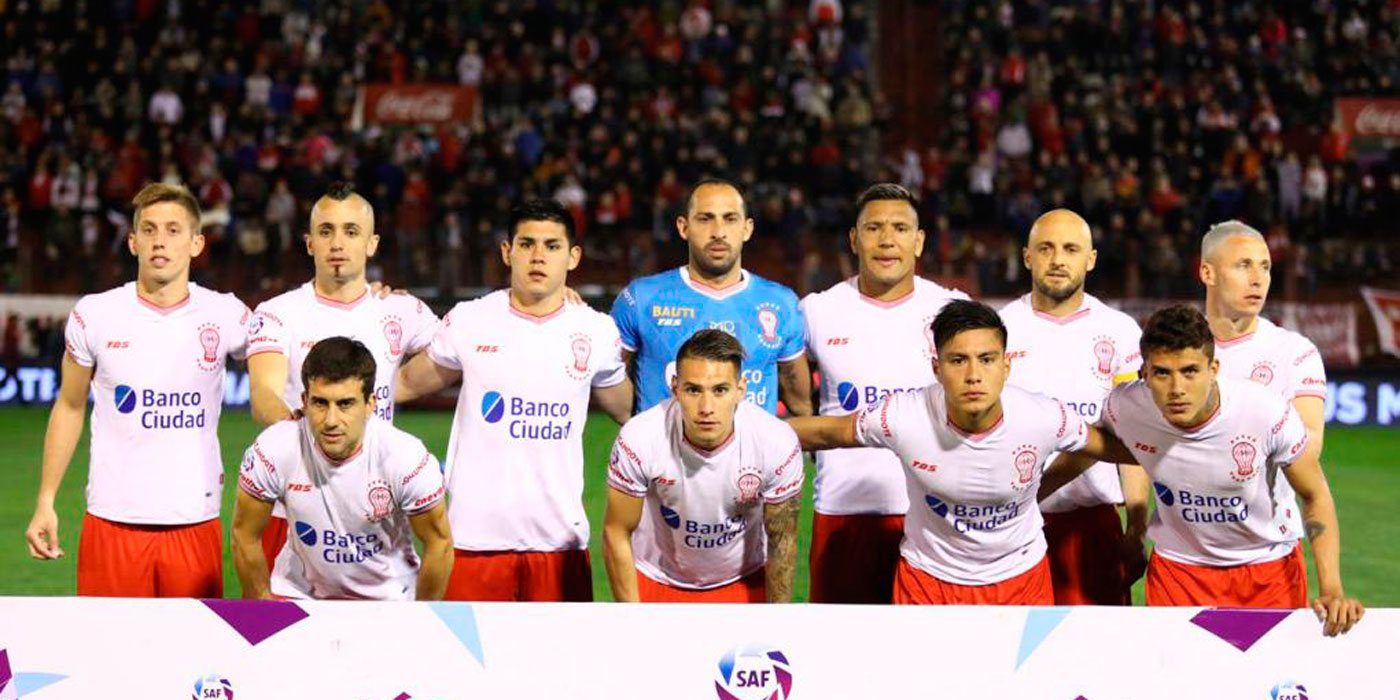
point(1134, 558)
point(42, 534)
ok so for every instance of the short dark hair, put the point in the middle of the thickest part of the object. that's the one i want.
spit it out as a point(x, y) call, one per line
point(542, 210)
point(160, 192)
point(704, 182)
point(886, 192)
point(1177, 327)
point(336, 359)
point(340, 190)
point(714, 345)
point(962, 315)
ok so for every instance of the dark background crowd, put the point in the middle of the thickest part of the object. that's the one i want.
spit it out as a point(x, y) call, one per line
point(1153, 119)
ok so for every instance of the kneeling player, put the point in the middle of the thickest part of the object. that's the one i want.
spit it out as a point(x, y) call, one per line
point(973, 450)
point(1213, 447)
point(353, 488)
point(703, 505)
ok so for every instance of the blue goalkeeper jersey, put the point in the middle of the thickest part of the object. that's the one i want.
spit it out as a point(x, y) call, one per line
point(656, 314)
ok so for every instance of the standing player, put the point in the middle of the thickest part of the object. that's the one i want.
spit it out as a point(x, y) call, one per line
point(972, 451)
point(656, 314)
point(1069, 345)
point(703, 497)
point(527, 361)
point(1212, 447)
point(869, 336)
point(336, 302)
point(152, 354)
point(357, 489)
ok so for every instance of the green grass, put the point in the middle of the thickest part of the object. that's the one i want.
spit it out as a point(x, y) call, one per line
point(1363, 466)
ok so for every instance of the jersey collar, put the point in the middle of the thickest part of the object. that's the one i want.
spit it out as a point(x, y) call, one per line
point(164, 310)
point(1081, 312)
point(343, 305)
point(855, 284)
point(714, 292)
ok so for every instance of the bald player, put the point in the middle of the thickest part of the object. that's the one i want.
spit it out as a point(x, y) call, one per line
point(1067, 344)
point(337, 301)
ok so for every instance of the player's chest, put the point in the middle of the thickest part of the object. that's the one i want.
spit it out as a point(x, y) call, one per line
point(1232, 461)
point(977, 473)
point(894, 349)
point(381, 332)
point(759, 325)
point(1067, 364)
point(1259, 367)
point(349, 498)
point(544, 357)
point(184, 350)
point(709, 490)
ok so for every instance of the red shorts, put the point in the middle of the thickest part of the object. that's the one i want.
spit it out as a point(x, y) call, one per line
point(854, 557)
point(1085, 552)
point(1282, 583)
point(914, 587)
point(150, 561)
point(749, 589)
point(544, 577)
point(274, 539)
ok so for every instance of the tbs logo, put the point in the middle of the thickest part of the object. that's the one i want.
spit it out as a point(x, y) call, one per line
point(493, 406)
point(212, 687)
point(753, 672)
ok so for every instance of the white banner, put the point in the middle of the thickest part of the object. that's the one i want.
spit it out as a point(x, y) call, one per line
point(1385, 311)
point(84, 648)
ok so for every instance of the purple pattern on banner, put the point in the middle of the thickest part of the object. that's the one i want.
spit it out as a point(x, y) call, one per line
point(256, 620)
point(403, 696)
point(784, 681)
point(5, 674)
point(1240, 628)
point(724, 694)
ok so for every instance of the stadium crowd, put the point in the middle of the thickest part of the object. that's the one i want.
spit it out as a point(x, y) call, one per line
point(1155, 119)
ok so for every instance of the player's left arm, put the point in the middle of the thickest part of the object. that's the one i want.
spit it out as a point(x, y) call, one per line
point(250, 516)
point(1311, 410)
point(615, 400)
point(1333, 608)
point(795, 385)
point(826, 432)
point(780, 523)
point(432, 529)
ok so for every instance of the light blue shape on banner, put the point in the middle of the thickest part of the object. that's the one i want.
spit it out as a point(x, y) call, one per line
point(462, 621)
point(27, 683)
point(1040, 622)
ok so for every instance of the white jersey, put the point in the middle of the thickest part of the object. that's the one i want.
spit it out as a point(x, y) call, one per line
point(157, 391)
point(973, 518)
point(1280, 359)
point(866, 348)
point(703, 522)
point(348, 535)
point(515, 459)
point(1214, 502)
point(1076, 359)
point(391, 328)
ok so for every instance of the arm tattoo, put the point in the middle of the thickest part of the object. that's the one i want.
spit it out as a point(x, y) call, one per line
point(1314, 529)
point(780, 522)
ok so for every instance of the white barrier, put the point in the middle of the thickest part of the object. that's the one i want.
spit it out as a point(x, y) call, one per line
point(58, 648)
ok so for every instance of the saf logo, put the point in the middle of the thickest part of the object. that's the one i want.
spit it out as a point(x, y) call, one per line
point(754, 672)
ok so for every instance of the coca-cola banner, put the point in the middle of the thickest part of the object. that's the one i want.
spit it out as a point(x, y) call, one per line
point(1370, 118)
point(418, 103)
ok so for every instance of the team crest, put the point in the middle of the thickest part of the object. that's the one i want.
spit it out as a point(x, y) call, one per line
point(1025, 461)
point(1243, 453)
point(1104, 350)
point(380, 501)
point(768, 324)
point(393, 333)
point(581, 348)
point(748, 484)
point(1263, 372)
point(209, 359)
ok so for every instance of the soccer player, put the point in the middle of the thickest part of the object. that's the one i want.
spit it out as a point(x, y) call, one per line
point(152, 354)
point(656, 314)
point(869, 336)
point(527, 361)
point(704, 487)
point(973, 450)
point(1213, 446)
point(1067, 344)
point(336, 302)
point(357, 489)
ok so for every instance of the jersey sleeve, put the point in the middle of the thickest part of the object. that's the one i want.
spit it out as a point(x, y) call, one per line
point(1129, 361)
point(1309, 376)
point(258, 476)
point(75, 336)
point(421, 485)
point(785, 467)
point(612, 370)
point(1287, 438)
point(242, 326)
point(875, 426)
point(267, 332)
point(423, 326)
point(624, 316)
point(443, 347)
point(1072, 433)
point(626, 469)
point(795, 335)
